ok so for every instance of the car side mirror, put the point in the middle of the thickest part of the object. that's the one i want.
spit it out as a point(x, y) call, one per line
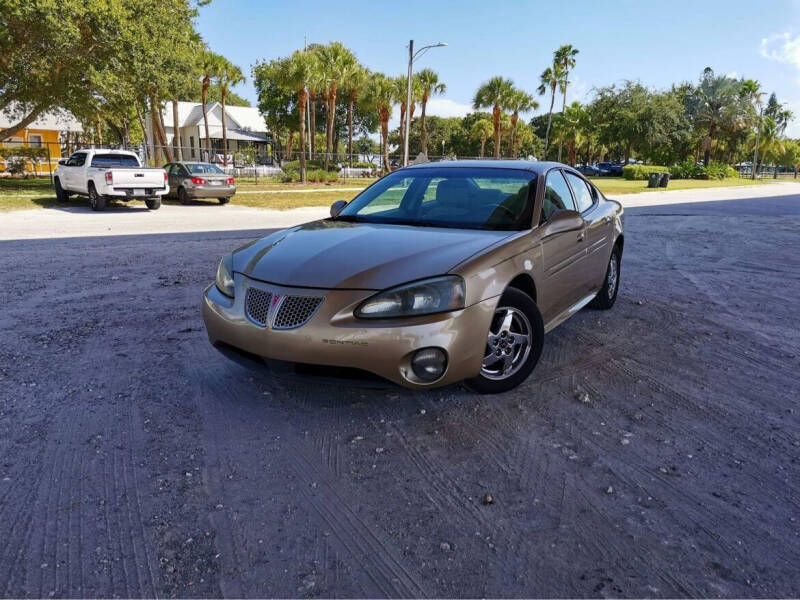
point(62, 161)
point(563, 220)
point(337, 207)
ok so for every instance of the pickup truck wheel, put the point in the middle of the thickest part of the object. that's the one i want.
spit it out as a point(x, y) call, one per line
point(153, 203)
point(96, 201)
point(61, 194)
point(223, 200)
point(184, 199)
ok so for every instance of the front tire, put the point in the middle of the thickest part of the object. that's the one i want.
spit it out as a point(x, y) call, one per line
point(608, 293)
point(513, 346)
point(153, 203)
point(61, 194)
point(224, 200)
point(96, 201)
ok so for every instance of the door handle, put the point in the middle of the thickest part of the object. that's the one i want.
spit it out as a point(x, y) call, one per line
point(581, 236)
point(606, 220)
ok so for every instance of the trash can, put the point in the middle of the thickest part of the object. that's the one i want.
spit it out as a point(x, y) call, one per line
point(664, 180)
point(654, 180)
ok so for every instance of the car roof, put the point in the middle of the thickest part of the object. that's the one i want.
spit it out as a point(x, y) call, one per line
point(537, 167)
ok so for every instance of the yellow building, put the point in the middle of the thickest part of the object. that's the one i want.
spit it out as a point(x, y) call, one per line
point(49, 131)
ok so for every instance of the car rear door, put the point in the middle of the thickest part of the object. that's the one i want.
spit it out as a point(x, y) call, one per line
point(563, 253)
point(598, 229)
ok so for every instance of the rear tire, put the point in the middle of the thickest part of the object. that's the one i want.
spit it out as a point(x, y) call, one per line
point(525, 315)
point(96, 201)
point(224, 200)
point(61, 194)
point(182, 197)
point(608, 293)
point(153, 203)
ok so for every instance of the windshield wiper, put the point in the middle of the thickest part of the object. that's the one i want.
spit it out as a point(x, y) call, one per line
point(349, 218)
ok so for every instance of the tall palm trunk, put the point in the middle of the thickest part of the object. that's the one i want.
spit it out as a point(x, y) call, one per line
point(329, 129)
point(203, 100)
point(424, 132)
point(549, 120)
point(496, 123)
point(384, 114)
point(350, 107)
point(483, 146)
point(176, 132)
point(707, 152)
point(514, 120)
point(313, 118)
point(301, 106)
point(563, 108)
point(403, 106)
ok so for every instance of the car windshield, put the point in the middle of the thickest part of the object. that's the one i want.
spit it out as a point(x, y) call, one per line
point(440, 196)
point(204, 168)
point(115, 160)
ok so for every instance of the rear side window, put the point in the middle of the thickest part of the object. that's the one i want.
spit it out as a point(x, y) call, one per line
point(115, 160)
point(583, 195)
point(556, 195)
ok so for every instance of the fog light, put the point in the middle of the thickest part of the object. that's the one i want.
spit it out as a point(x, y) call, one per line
point(429, 363)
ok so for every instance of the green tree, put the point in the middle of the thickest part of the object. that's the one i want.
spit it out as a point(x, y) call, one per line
point(717, 102)
point(494, 94)
point(518, 101)
point(228, 76)
point(380, 96)
point(335, 61)
point(430, 86)
point(549, 80)
point(482, 130)
point(564, 57)
point(353, 83)
point(293, 74)
point(210, 67)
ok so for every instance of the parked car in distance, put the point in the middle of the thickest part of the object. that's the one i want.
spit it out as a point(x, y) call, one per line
point(591, 170)
point(189, 180)
point(436, 273)
point(103, 174)
point(611, 169)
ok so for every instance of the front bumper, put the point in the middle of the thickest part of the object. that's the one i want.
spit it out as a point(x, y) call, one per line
point(210, 191)
point(334, 337)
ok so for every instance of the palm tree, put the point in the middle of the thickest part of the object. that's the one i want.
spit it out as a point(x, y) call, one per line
point(334, 62)
point(400, 84)
point(715, 104)
point(293, 75)
point(494, 94)
point(380, 96)
point(570, 128)
point(564, 57)
point(519, 101)
point(430, 86)
point(549, 80)
point(229, 75)
point(354, 81)
point(210, 63)
point(482, 130)
point(770, 142)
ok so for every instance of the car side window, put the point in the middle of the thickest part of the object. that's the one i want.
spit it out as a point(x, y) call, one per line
point(556, 195)
point(583, 195)
point(77, 159)
point(181, 171)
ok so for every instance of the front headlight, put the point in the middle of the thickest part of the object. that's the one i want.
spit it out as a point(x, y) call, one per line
point(439, 294)
point(225, 275)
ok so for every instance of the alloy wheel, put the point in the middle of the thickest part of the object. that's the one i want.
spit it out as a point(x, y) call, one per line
point(508, 343)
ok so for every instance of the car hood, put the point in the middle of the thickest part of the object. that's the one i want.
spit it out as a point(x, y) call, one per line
point(337, 254)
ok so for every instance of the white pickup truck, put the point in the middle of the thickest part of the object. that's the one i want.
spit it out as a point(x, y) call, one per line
point(109, 174)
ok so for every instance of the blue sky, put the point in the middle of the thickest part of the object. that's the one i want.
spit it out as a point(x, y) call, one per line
point(656, 43)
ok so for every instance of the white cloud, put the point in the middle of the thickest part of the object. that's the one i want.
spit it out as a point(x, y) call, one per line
point(783, 48)
point(444, 107)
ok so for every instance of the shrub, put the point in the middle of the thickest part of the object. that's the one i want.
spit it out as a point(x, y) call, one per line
point(642, 171)
point(686, 170)
point(312, 176)
point(720, 170)
point(294, 165)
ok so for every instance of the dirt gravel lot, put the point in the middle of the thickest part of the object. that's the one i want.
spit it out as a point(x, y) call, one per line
point(654, 451)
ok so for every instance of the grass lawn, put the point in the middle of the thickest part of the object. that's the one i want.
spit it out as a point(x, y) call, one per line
point(617, 185)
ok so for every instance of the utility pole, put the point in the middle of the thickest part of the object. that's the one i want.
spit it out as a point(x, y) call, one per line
point(408, 102)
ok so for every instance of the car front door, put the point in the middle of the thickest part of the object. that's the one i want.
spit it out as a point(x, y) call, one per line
point(598, 230)
point(72, 170)
point(563, 247)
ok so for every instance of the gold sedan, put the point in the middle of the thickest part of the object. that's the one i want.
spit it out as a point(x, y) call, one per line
point(437, 273)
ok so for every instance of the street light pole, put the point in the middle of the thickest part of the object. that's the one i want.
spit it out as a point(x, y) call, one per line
point(411, 56)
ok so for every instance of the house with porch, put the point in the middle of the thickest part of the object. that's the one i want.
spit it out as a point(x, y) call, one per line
point(55, 131)
point(245, 129)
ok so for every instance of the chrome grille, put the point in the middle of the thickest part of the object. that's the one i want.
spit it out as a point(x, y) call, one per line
point(295, 311)
point(257, 305)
